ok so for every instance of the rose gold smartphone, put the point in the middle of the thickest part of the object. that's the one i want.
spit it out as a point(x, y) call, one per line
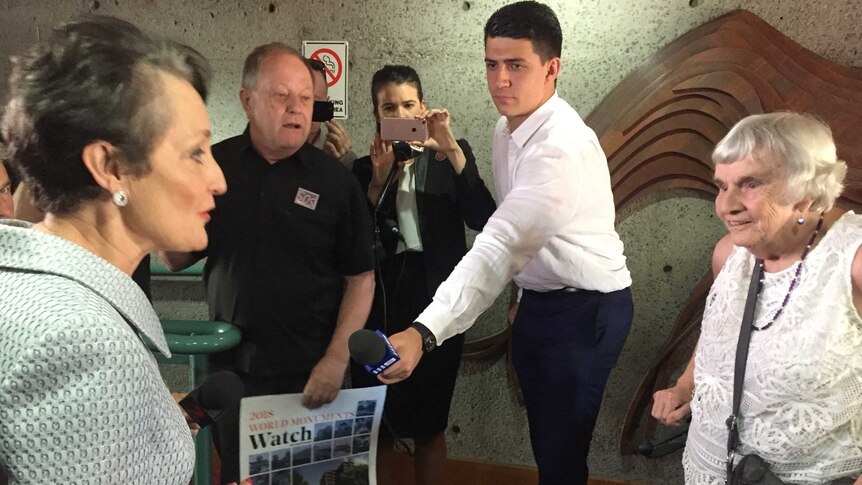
point(403, 129)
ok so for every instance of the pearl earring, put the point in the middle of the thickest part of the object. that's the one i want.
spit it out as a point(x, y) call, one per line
point(800, 221)
point(120, 198)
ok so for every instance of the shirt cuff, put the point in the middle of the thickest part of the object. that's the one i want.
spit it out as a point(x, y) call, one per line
point(439, 320)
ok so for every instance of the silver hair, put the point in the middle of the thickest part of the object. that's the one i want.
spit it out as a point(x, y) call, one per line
point(799, 144)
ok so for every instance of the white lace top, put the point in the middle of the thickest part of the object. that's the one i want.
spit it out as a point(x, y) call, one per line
point(802, 397)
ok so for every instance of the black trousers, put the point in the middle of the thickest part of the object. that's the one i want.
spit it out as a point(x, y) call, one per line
point(564, 345)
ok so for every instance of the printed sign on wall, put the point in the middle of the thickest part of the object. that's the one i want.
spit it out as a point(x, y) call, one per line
point(333, 55)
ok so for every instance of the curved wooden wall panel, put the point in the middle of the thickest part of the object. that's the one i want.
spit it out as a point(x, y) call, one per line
point(659, 125)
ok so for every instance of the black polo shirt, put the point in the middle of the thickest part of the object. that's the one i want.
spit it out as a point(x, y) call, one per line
point(281, 240)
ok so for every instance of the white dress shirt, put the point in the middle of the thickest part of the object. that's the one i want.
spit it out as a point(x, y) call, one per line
point(405, 205)
point(554, 225)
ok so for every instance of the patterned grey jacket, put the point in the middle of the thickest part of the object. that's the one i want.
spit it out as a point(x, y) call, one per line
point(81, 398)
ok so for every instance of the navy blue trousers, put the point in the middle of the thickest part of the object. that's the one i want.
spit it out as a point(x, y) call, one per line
point(564, 345)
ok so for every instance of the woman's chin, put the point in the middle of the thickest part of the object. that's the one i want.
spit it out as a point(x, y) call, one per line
point(188, 246)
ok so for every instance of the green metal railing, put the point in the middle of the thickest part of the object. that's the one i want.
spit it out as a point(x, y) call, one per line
point(157, 268)
point(191, 342)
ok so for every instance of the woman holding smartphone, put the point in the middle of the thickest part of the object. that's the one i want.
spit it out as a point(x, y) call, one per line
point(421, 222)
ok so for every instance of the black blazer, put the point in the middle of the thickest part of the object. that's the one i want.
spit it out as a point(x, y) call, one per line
point(445, 201)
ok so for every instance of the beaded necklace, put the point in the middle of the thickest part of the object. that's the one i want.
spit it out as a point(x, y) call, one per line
point(793, 281)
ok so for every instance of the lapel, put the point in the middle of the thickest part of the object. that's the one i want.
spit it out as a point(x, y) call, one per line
point(421, 174)
point(23, 249)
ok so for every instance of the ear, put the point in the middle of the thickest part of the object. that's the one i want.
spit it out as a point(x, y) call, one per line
point(245, 100)
point(553, 69)
point(803, 206)
point(424, 105)
point(97, 157)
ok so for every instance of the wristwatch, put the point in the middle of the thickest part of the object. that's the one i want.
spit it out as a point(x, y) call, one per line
point(429, 342)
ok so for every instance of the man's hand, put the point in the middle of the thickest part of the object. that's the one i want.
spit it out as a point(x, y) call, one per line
point(337, 139)
point(408, 346)
point(513, 312)
point(670, 406)
point(323, 383)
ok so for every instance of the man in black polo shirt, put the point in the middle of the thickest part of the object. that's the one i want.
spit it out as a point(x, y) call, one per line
point(290, 256)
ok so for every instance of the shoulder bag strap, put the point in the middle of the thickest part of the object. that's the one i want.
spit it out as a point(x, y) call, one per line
point(741, 360)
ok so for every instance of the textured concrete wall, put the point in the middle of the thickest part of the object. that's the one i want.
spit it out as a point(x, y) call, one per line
point(668, 237)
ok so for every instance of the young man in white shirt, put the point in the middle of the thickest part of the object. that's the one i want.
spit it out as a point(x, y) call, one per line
point(553, 232)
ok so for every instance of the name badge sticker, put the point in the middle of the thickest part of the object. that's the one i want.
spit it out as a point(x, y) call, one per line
point(306, 198)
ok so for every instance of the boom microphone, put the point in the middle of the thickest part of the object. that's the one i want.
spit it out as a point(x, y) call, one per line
point(373, 350)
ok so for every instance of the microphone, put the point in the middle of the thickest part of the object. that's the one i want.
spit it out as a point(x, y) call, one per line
point(392, 227)
point(373, 350)
point(404, 151)
point(219, 395)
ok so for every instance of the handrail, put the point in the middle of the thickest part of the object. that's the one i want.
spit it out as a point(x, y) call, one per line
point(189, 337)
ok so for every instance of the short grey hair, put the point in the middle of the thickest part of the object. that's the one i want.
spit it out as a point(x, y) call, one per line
point(93, 79)
point(800, 144)
point(251, 67)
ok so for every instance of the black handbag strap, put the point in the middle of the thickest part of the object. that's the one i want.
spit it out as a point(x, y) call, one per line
point(741, 361)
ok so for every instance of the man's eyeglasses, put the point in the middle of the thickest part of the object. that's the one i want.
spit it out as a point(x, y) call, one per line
point(316, 65)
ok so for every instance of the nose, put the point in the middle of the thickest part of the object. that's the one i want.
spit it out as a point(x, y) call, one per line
point(217, 183)
point(501, 77)
point(727, 202)
point(402, 113)
point(6, 209)
point(294, 103)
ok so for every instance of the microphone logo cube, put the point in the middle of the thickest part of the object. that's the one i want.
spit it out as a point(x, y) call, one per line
point(389, 358)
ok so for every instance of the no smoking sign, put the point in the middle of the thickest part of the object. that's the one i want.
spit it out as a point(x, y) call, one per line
point(333, 55)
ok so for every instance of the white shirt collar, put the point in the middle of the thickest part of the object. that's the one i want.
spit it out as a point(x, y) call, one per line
point(523, 133)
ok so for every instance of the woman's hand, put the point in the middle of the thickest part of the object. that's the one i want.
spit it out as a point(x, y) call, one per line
point(382, 158)
point(670, 406)
point(193, 426)
point(441, 139)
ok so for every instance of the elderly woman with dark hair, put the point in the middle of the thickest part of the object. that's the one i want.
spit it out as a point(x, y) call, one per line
point(108, 128)
point(778, 177)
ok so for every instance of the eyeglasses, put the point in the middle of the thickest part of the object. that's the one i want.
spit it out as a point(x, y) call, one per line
point(316, 65)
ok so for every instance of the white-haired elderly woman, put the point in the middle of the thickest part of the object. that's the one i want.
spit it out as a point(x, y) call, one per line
point(778, 177)
point(109, 129)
